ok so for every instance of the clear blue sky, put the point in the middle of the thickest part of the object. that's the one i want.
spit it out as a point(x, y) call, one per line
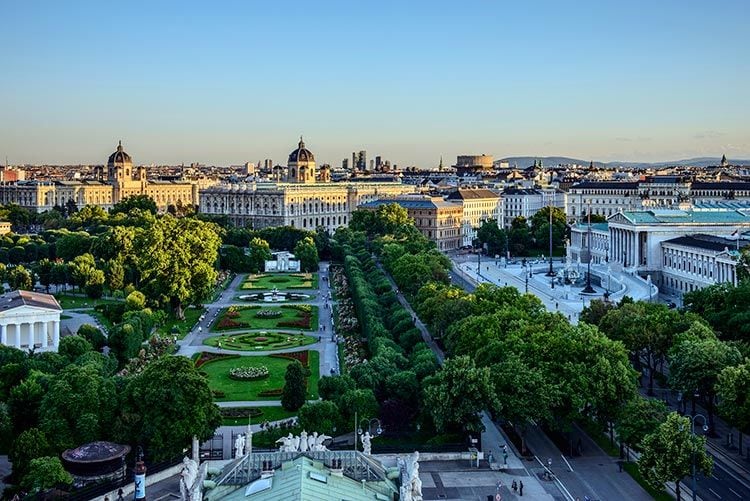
point(229, 82)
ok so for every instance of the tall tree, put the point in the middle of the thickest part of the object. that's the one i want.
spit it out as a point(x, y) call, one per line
point(179, 261)
point(143, 203)
point(258, 252)
point(19, 278)
point(492, 238)
point(307, 254)
point(638, 418)
point(733, 390)
point(295, 387)
point(165, 406)
point(670, 452)
point(45, 473)
point(458, 392)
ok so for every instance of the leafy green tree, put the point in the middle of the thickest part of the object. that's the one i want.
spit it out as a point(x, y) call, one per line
point(24, 401)
point(322, 417)
point(492, 238)
point(90, 215)
point(295, 387)
point(638, 418)
point(389, 218)
point(79, 407)
point(6, 429)
point(45, 473)
point(72, 347)
point(43, 270)
point(718, 305)
point(458, 392)
point(93, 335)
point(143, 203)
point(28, 445)
point(361, 402)
point(125, 342)
point(82, 269)
point(332, 387)
point(519, 236)
point(404, 386)
point(307, 254)
point(17, 255)
point(70, 245)
point(733, 390)
point(165, 406)
point(695, 365)
point(135, 301)
point(258, 253)
point(669, 453)
point(115, 275)
point(595, 311)
point(18, 216)
point(180, 261)
point(234, 259)
point(94, 286)
point(19, 278)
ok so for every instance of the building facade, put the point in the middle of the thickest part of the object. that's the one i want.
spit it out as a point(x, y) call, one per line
point(300, 197)
point(120, 181)
point(30, 320)
point(479, 205)
point(525, 202)
point(438, 220)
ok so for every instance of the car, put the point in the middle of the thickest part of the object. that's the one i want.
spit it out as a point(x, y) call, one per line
point(671, 305)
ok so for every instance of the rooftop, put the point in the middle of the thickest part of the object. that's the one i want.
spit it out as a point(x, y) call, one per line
point(709, 242)
point(19, 298)
point(693, 216)
point(472, 194)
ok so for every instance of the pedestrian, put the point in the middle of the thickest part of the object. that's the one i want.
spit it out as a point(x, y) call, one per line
point(514, 486)
point(520, 488)
point(120, 496)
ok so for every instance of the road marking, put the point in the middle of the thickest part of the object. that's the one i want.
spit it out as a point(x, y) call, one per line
point(714, 493)
point(566, 462)
point(735, 492)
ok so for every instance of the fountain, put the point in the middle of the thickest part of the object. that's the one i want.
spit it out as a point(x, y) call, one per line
point(274, 297)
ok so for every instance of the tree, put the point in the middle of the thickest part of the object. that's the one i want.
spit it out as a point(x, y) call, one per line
point(389, 218)
point(125, 342)
point(165, 406)
point(695, 364)
point(19, 278)
point(638, 418)
point(458, 392)
point(295, 387)
point(180, 261)
point(135, 301)
point(82, 269)
point(45, 473)
point(669, 453)
point(43, 270)
point(90, 215)
point(258, 252)
point(72, 347)
point(70, 245)
point(17, 254)
point(93, 335)
point(322, 417)
point(28, 445)
point(115, 275)
point(360, 402)
point(332, 387)
point(492, 238)
point(307, 254)
point(733, 390)
point(94, 285)
point(234, 259)
point(519, 236)
point(143, 203)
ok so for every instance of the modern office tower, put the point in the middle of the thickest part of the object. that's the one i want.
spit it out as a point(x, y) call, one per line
point(361, 160)
point(378, 162)
point(345, 164)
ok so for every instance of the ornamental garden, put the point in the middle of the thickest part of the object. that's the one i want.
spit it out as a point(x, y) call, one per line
point(281, 281)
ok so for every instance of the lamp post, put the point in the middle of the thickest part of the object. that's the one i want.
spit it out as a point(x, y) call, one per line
point(588, 289)
point(550, 273)
point(692, 432)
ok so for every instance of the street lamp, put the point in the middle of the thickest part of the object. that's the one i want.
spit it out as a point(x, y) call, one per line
point(588, 289)
point(378, 430)
point(692, 431)
point(550, 273)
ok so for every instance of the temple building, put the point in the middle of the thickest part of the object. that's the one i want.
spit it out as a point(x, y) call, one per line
point(113, 183)
point(298, 195)
point(30, 320)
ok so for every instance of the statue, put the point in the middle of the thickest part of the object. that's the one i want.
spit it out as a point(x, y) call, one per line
point(319, 442)
point(311, 440)
point(286, 443)
point(367, 443)
point(191, 480)
point(295, 444)
point(303, 441)
point(239, 446)
point(248, 440)
point(411, 484)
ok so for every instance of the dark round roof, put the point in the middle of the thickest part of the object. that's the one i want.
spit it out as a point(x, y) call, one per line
point(301, 154)
point(119, 156)
point(95, 452)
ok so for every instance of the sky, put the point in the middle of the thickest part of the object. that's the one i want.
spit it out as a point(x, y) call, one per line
point(224, 83)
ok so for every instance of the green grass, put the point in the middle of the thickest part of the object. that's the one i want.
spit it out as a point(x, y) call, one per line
point(280, 281)
point(247, 342)
point(182, 326)
point(249, 321)
point(269, 413)
point(602, 440)
point(70, 302)
point(218, 377)
point(658, 495)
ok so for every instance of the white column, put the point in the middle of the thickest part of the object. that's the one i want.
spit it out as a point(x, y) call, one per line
point(17, 328)
point(45, 341)
point(55, 333)
point(4, 334)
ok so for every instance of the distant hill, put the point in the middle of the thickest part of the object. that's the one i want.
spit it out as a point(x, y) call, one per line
point(523, 162)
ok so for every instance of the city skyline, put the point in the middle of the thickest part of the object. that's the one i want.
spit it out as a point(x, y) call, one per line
point(407, 82)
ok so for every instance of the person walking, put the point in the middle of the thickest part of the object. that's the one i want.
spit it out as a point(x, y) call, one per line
point(514, 486)
point(520, 488)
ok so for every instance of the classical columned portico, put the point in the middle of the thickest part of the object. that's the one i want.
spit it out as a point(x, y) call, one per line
point(30, 320)
point(41, 334)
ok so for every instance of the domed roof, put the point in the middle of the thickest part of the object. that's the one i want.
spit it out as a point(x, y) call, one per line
point(119, 156)
point(301, 154)
point(95, 452)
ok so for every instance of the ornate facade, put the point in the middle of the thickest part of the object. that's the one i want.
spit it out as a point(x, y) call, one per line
point(121, 181)
point(298, 197)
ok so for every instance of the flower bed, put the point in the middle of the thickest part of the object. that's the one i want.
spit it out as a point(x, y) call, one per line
point(208, 357)
point(301, 356)
point(276, 392)
point(241, 412)
point(268, 314)
point(249, 373)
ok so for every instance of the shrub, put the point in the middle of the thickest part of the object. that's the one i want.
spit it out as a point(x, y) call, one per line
point(278, 280)
point(268, 314)
point(276, 392)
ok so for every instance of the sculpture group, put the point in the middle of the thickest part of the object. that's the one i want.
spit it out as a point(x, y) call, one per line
point(411, 485)
point(191, 480)
point(303, 443)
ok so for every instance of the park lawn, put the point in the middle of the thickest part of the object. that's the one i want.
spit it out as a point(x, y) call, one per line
point(280, 281)
point(71, 302)
point(247, 341)
point(219, 380)
point(249, 321)
point(268, 413)
point(183, 326)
